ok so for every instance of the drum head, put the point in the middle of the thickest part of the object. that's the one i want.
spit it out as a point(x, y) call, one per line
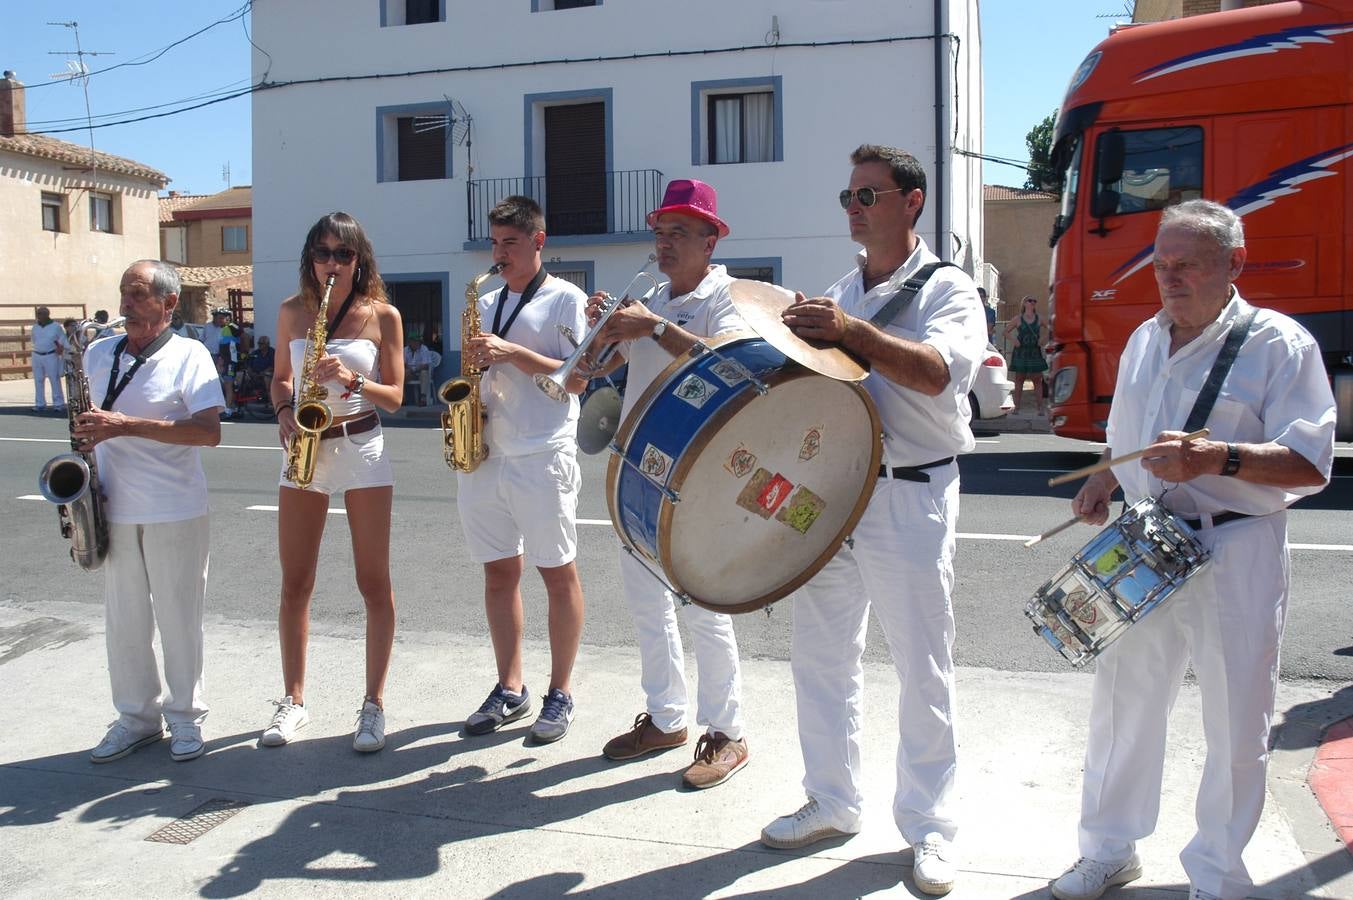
point(760, 305)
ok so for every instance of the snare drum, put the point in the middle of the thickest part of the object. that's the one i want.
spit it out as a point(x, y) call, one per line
point(1127, 570)
point(739, 473)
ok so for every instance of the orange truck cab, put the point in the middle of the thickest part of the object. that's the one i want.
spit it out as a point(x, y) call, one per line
point(1250, 108)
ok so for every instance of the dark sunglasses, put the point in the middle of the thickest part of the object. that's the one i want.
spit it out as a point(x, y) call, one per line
point(866, 195)
point(344, 255)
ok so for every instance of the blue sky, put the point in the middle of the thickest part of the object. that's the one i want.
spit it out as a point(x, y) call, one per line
point(1028, 58)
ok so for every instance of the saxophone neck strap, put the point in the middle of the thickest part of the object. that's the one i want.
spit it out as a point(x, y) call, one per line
point(116, 387)
point(534, 285)
point(342, 312)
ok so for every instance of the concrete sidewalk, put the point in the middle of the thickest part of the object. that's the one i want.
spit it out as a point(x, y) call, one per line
point(439, 813)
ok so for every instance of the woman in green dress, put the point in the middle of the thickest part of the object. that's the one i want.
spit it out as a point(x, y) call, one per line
point(1027, 361)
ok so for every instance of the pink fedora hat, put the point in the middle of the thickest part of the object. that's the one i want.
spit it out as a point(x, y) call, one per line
point(691, 198)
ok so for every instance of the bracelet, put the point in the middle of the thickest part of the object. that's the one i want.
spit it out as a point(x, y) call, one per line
point(277, 410)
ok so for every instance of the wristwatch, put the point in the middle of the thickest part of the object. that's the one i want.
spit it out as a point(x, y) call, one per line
point(1232, 464)
point(358, 382)
point(660, 329)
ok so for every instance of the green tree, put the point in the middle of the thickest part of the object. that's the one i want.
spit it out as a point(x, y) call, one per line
point(1042, 177)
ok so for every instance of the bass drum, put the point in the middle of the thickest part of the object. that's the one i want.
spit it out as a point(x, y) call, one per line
point(739, 473)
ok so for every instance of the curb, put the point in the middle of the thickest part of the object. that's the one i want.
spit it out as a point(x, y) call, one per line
point(1331, 778)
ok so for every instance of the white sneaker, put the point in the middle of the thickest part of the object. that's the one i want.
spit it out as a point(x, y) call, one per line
point(289, 719)
point(185, 741)
point(1090, 878)
point(806, 826)
point(121, 741)
point(933, 870)
point(370, 735)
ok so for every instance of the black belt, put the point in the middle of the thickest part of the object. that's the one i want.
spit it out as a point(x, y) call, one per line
point(44, 352)
point(1220, 518)
point(359, 425)
point(913, 473)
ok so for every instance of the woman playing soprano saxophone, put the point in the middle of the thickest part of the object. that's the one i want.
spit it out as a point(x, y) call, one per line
point(362, 367)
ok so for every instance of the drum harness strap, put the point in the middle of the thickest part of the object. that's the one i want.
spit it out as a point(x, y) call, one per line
point(880, 320)
point(1207, 398)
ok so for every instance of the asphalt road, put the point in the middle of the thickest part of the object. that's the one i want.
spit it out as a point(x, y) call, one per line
point(438, 589)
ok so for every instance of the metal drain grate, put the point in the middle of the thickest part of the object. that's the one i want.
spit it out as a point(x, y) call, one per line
point(186, 829)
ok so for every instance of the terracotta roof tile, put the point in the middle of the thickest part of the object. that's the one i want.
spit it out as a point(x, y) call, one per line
point(203, 275)
point(168, 205)
point(1002, 192)
point(44, 147)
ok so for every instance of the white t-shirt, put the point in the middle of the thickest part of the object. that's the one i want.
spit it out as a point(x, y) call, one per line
point(1277, 390)
point(148, 481)
point(522, 419)
point(705, 312)
point(423, 356)
point(945, 314)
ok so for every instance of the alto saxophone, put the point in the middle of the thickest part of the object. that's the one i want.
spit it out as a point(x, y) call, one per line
point(463, 422)
point(71, 480)
point(313, 415)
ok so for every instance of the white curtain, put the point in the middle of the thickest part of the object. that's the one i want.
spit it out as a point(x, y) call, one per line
point(759, 117)
point(727, 129)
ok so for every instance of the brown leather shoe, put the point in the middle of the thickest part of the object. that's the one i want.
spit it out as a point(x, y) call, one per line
point(644, 737)
point(716, 759)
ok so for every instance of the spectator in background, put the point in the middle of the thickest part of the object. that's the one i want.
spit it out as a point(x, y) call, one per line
point(49, 339)
point(1028, 361)
point(419, 361)
point(991, 315)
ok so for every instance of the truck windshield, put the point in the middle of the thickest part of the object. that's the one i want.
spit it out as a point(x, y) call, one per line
point(1070, 178)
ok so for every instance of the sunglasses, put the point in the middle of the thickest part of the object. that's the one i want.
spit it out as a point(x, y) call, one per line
point(866, 195)
point(344, 255)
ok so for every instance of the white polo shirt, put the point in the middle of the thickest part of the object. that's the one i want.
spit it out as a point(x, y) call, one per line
point(945, 314)
point(705, 312)
point(1277, 390)
point(148, 481)
point(523, 419)
point(48, 338)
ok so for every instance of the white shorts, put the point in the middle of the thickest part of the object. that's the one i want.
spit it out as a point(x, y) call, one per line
point(515, 501)
point(348, 463)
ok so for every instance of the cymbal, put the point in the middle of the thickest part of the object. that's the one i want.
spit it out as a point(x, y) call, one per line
point(760, 305)
point(598, 419)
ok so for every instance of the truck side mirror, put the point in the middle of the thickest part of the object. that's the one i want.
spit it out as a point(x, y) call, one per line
point(1109, 153)
point(1105, 203)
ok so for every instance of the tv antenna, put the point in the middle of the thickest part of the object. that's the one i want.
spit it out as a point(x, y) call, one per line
point(77, 70)
point(225, 175)
point(459, 125)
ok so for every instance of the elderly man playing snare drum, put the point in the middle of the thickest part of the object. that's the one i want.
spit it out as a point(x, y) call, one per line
point(1270, 442)
point(695, 303)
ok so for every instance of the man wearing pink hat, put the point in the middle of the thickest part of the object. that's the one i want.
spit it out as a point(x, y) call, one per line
point(693, 304)
point(920, 325)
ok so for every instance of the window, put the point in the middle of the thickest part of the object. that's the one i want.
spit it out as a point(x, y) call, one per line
point(100, 212)
point(753, 268)
point(52, 211)
point(413, 142)
point(545, 5)
point(235, 238)
point(737, 121)
point(412, 12)
point(1161, 167)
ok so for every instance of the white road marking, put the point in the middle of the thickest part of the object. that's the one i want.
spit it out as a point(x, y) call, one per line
point(977, 536)
point(31, 497)
point(333, 510)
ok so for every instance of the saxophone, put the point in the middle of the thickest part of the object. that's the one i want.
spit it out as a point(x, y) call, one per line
point(463, 422)
point(71, 480)
point(312, 413)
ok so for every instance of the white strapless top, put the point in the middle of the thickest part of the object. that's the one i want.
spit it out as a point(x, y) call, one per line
point(358, 354)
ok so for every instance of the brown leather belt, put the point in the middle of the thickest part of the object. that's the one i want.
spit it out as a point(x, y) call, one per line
point(360, 425)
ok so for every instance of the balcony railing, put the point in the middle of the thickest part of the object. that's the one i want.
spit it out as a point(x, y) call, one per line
point(585, 203)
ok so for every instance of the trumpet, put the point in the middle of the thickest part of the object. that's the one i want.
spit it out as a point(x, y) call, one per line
point(553, 383)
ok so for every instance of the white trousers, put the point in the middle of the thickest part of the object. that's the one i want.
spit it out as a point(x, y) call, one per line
point(156, 575)
point(47, 369)
point(901, 565)
point(1229, 620)
point(718, 701)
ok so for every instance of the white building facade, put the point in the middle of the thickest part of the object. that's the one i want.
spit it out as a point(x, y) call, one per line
point(416, 116)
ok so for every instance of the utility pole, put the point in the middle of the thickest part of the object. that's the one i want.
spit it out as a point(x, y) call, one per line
point(225, 175)
point(76, 68)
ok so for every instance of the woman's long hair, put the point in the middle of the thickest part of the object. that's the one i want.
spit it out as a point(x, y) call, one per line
point(343, 227)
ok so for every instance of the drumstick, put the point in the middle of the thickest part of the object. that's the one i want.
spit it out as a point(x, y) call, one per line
point(1106, 463)
point(1054, 530)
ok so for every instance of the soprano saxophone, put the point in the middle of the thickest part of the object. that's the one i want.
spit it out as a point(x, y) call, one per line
point(463, 422)
point(313, 415)
point(71, 480)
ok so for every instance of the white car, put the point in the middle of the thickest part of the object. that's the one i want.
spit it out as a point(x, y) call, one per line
point(990, 395)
